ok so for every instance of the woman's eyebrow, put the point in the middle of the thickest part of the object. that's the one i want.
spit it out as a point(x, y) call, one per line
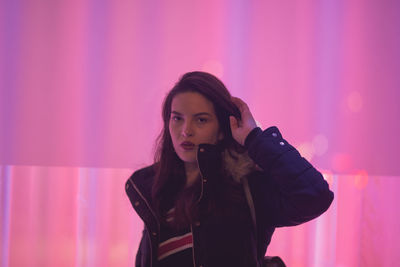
point(202, 113)
point(197, 114)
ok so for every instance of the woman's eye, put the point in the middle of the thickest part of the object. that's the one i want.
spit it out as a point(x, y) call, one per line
point(176, 118)
point(202, 120)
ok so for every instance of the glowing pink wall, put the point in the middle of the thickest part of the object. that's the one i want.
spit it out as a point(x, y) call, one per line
point(82, 82)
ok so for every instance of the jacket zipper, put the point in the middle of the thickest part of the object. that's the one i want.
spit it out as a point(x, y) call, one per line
point(191, 230)
point(200, 197)
point(202, 183)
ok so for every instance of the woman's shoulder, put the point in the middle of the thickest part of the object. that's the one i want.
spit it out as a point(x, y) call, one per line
point(138, 187)
point(143, 177)
point(144, 172)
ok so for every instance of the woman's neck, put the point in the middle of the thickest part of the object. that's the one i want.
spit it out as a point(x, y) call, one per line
point(192, 173)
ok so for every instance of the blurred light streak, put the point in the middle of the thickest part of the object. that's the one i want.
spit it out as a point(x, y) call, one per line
point(5, 208)
point(81, 209)
point(10, 64)
point(91, 226)
point(320, 144)
point(97, 81)
point(237, 38)
point(327, 66)
point(324, 253)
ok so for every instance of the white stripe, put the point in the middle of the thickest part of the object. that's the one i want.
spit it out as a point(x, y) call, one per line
point(174, 238)
point(175, 251)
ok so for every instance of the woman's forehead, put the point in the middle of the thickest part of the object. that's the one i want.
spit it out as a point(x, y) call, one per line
point(191, 103)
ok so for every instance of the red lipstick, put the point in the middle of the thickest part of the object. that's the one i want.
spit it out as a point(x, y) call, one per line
point(187, 145)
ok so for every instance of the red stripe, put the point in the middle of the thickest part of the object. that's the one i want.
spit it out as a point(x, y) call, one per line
point(175, 244)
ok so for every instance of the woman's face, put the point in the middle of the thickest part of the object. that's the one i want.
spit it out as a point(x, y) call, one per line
point(193, 122)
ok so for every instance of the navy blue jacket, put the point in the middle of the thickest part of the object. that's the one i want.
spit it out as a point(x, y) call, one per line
point(286, 190)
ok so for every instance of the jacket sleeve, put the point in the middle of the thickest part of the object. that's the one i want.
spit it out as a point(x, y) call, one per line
point(289, 190)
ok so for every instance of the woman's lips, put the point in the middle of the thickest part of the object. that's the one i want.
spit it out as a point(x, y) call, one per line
point(187, 145)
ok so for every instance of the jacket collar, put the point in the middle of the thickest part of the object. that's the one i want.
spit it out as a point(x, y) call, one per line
point(209, 158)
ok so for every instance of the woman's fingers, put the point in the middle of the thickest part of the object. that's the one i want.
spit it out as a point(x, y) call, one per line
point(240, 129)
point(242, 106)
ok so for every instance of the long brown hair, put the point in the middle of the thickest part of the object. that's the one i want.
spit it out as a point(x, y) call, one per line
point(170, 179)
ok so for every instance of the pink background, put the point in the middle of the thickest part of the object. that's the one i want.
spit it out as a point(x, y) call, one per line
point(81, 86)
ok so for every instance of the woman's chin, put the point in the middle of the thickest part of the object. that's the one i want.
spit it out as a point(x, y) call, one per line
point(188, 160)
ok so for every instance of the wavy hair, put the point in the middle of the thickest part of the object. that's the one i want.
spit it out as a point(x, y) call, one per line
point(170, 179)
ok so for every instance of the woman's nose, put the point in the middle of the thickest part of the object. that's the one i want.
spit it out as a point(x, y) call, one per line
point(187, 130)
point(187, 134)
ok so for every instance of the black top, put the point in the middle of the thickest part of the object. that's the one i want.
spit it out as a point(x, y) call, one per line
point(175, 247)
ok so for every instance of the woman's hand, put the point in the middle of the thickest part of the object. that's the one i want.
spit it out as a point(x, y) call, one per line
point(240, 129)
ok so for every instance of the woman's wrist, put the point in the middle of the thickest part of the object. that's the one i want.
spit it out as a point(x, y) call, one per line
point(250, 137)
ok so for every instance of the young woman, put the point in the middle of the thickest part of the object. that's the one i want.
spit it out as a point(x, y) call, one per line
point(219, 185)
